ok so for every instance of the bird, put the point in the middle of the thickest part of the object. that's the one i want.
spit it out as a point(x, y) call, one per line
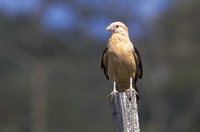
point(121, 61)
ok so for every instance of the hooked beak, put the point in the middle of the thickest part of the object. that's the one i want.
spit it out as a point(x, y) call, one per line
point(109, 28)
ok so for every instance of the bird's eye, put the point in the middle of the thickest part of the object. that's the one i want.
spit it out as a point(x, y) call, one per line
point(117, 26)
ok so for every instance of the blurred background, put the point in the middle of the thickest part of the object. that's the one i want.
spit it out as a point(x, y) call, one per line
point(50, 52)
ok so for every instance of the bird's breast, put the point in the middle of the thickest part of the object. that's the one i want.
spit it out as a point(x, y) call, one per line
point(121, 62)
point(121, 57)
point(121, 53)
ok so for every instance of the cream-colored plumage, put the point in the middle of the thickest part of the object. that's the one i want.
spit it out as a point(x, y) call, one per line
point(120, 62)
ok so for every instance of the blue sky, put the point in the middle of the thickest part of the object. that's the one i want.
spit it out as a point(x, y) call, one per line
point(19, 7)
point(59, 16)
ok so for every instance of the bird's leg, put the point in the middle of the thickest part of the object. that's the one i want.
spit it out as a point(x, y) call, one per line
point(114, 89)
point(114, 92)
point(131, 85)
point(130, 95)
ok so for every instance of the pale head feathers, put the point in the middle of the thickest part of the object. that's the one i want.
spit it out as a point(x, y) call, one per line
point(118, 27)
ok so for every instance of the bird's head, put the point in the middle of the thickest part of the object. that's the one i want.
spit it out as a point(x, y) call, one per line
point(117, 27)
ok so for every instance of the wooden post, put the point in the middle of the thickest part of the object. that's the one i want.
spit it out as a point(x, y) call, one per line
point(125, 112)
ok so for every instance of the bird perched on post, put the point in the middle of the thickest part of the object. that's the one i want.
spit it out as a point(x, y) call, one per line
point(121, 61)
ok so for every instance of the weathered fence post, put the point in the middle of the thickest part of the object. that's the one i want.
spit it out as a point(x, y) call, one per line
point(125, 112)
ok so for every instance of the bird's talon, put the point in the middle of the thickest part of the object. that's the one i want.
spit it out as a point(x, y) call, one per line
point(132, 89)
point(130, 93)
point(112, 94)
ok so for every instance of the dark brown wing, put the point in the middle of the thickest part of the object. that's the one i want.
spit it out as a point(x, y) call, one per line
point(104, 61)
point(139, 69)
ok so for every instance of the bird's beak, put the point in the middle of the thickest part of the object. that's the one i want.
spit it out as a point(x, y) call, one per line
point(109, 28)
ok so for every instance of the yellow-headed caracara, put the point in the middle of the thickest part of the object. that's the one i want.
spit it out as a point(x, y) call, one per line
point(121, 61)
